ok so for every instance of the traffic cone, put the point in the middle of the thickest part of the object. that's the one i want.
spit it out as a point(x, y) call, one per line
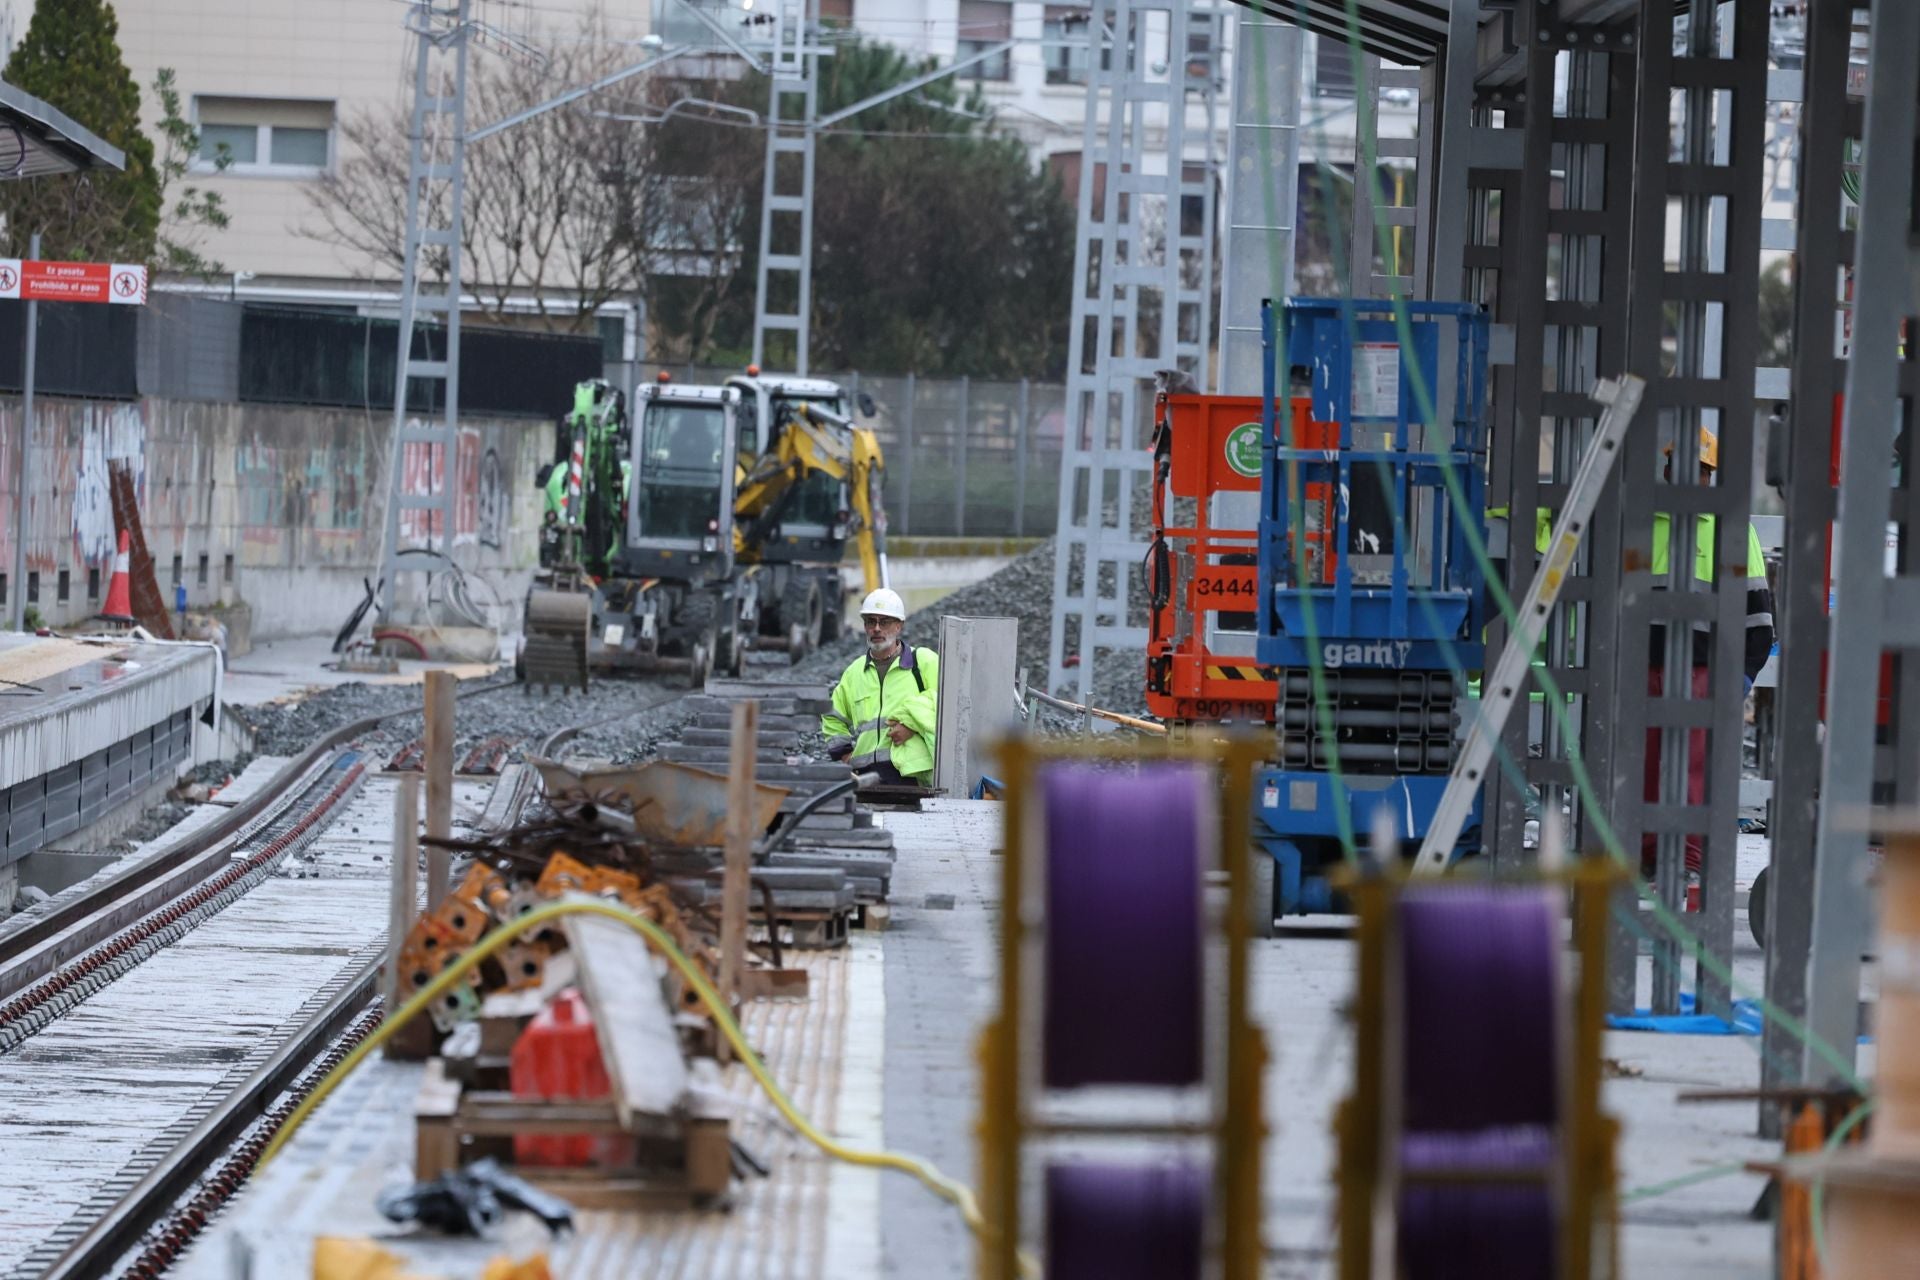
point(120, 590)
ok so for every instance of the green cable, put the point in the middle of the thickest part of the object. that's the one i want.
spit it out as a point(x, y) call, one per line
point(1684, 1181)
point(1667, 919)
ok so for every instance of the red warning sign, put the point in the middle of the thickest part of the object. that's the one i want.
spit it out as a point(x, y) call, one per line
point(31, 280)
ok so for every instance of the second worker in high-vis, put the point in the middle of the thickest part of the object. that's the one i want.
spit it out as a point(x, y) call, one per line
point(883, 708)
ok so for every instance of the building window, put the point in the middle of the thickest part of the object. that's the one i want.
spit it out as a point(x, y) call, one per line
point(983, 24)
point(64, 584)
point(836, 13)
point(93, 584)
point(178, 571)
point(269, 136)
point(200, 577)
point(226, 568)
point(1063, 44)
point(1333, 68)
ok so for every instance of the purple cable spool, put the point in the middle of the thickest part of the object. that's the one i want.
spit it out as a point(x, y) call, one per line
point(1125, 1222)
point(1123, 985)
point(1481, 1090)
point(1480, 974)
point(1476, 1230)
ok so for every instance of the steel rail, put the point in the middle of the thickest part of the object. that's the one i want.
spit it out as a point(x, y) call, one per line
point(43, 941)
point(152, 1200)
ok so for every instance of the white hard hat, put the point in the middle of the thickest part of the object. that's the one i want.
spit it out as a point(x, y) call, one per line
point(884, 603)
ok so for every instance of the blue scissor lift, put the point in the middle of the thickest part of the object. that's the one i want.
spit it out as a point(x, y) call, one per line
point(1391, 597)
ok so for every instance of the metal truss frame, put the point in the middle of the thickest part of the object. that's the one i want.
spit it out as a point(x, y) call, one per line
point(436, 184)
point(1121, 278)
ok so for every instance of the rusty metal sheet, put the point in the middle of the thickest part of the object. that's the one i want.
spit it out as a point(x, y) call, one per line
point(672, 803)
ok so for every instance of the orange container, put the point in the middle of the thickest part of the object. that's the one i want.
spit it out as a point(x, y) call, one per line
point(557, 1059)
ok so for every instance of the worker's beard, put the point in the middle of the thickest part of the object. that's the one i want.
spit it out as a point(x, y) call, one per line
point(881, 650)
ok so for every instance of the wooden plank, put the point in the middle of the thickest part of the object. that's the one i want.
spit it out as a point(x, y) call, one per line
point(735, 882)
point(415, 1040)
point(436, 1145)
point(440, 731)
point(638, 1042)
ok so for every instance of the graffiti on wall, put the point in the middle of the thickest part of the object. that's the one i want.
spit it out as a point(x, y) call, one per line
point(108, 434)
point(493, 501)
point(423, 474)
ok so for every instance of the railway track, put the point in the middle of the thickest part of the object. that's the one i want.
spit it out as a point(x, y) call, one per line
point(121, 943)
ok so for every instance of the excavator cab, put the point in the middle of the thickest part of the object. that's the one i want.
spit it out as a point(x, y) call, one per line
point(680, 509)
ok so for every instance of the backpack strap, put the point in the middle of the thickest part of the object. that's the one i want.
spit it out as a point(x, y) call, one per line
point(918, 679)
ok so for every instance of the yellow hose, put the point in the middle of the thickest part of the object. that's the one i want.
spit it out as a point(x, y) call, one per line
point(939, 1183)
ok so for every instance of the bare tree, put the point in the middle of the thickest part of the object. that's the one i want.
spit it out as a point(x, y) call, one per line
point(553, 211)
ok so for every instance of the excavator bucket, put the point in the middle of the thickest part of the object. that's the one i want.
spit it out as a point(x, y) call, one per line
point(558, 623)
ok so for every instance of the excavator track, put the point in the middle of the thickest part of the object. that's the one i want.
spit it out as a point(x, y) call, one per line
point(558, 626)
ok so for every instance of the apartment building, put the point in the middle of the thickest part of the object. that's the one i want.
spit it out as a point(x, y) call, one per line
point(274, 81)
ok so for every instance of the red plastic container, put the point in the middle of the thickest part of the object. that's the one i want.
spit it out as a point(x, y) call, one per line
point(557, 1058)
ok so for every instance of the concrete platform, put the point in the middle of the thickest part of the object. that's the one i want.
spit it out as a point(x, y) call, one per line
point(86, 725)
point(277, 670)
point(884, 1054)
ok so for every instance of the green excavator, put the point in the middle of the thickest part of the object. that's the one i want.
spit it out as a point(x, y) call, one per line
point(714, 523)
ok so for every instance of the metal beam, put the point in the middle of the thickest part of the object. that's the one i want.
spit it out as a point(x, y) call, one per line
point(1800, 606)
point(1883, 301)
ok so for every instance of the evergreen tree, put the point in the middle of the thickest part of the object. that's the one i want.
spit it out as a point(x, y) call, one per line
point(71, 60)
point(940, 246)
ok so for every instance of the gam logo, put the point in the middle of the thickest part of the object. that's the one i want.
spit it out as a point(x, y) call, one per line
point(1377, 653)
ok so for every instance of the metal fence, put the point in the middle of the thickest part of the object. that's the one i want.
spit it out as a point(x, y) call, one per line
point(293, 355)
point(964, 458)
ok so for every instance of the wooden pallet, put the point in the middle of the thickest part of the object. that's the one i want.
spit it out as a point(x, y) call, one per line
point(808, 930)
point(677, 1161)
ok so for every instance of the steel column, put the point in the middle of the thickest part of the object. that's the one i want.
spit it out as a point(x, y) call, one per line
point(1863, 604)
point(1822, 248)
point(1263, 184)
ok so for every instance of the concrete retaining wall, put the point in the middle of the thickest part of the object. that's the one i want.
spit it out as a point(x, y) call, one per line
point(278, 507)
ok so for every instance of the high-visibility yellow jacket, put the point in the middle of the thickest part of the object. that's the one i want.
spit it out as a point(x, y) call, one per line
point(1759, 620)
point(865, 700)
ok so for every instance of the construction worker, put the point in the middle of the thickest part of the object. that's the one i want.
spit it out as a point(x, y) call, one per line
point(1758, 644)
point(884, 705)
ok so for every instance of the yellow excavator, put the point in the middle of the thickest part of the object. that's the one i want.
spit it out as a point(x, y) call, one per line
point(739, 503)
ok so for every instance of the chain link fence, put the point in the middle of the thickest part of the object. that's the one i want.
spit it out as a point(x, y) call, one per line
point(964, 458)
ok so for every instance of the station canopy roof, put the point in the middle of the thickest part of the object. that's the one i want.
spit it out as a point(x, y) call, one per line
point(1405, 31)
point(1411, 32)
point(37, 140)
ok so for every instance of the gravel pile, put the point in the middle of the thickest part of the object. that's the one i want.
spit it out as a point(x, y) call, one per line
point(513, 712)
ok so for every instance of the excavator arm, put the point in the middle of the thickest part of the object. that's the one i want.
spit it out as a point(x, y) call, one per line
point(869, 516)
point(817, 442)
